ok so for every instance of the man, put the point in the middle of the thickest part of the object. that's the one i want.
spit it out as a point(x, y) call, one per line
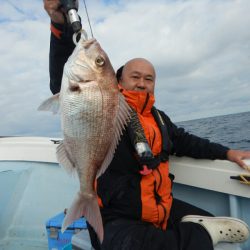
point(137, 206)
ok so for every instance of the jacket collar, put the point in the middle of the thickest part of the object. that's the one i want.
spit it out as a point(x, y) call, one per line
point(142, 102)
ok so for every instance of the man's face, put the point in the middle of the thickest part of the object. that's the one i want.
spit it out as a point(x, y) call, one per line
point(139, 75)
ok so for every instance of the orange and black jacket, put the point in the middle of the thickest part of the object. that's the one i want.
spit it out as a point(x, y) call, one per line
point(123, 192)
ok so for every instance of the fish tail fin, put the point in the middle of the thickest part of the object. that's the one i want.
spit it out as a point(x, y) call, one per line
point(88, 207)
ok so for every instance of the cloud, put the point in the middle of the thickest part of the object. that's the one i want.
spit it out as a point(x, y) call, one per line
point(200, 49)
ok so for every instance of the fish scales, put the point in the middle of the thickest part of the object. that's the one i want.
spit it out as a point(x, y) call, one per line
point(88, 130)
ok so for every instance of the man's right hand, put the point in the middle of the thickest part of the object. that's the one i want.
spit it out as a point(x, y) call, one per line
point(54, 11)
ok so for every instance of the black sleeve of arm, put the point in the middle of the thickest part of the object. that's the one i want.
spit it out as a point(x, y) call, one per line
point(60, 50)
point(186, 144)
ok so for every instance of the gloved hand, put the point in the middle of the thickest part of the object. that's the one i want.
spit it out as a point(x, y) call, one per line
point(146, 157)
point(150, 162)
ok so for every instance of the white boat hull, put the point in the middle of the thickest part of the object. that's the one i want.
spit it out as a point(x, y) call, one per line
point(34, 188)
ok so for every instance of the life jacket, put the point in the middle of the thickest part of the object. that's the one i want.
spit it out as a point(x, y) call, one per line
point(155, 183)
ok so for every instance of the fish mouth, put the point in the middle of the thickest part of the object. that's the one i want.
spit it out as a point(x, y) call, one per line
point(88, 43)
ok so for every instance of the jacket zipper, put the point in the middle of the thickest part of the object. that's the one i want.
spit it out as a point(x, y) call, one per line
point(153, 141)
point(160, 179)
point(159, 203)
point(165, 215)
point(145, 103)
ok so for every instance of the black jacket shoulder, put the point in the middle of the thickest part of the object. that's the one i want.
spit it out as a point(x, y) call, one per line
point(186, 144)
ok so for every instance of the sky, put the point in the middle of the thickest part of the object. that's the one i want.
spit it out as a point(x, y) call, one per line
point(200, 50)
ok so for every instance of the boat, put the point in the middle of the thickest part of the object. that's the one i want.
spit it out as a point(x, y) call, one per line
point(34, 188)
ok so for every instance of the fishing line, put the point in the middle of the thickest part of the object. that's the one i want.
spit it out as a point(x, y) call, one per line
point(86, 10)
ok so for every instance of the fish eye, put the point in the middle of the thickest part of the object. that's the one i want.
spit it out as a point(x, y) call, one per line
point(100, 61)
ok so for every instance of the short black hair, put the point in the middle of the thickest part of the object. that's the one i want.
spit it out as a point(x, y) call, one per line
point(119, 73)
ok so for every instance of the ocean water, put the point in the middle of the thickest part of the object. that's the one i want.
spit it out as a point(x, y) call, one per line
point(232, 130)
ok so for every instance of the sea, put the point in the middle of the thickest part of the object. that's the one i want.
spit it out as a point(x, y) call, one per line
point(231, 130)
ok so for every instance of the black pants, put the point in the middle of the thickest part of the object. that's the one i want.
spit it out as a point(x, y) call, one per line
point(126, 234)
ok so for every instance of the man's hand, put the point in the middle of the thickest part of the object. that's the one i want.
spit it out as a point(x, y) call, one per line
point(237, 156)
point(54, 11)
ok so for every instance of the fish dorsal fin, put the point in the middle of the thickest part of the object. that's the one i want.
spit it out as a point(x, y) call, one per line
point(121, 120)
point(64, 158)
point(51, 104)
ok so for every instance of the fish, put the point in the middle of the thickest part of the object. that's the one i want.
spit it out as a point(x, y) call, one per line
point(94, 114)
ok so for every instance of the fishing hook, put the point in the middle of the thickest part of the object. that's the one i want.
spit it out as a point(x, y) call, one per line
point(83, 35)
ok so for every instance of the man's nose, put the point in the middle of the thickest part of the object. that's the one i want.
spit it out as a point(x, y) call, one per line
point(141, 82)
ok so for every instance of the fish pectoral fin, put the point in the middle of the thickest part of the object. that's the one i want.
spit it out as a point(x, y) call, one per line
point(120, 121)
point(64, 158)
point(51, 104)
point(87, 206)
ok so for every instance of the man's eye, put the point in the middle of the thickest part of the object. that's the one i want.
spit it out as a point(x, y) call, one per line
point(135, 77)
